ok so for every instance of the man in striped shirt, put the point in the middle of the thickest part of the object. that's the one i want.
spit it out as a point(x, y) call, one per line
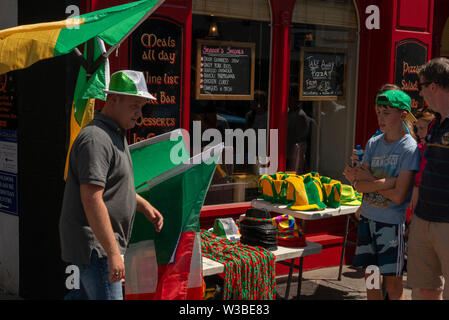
point(428, 247)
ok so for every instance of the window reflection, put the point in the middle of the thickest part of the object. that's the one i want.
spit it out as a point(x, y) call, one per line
point(320, 132)
point(236, 181)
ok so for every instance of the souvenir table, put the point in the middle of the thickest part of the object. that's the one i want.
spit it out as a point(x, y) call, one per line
point(211, 267)
point(312, 215)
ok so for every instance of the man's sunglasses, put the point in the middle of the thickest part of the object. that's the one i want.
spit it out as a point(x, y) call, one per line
point(422, 84)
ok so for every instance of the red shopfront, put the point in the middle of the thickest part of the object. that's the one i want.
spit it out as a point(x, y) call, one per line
point(371, 42)
point(376, 41)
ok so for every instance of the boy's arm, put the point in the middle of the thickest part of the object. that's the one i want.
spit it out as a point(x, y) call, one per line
point(365, 182)
point(398, 194)
point(377, 185)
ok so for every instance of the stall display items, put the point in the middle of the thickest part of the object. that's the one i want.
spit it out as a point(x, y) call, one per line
point(350, 197)
point(226, 228)
point(257, 229)
point(289, 234)
point(308, 192)
point(249, 271)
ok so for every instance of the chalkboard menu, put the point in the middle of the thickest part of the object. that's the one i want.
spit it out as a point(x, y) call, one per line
point(156, 49)
point(410, 54)
point(225, 70)
point(322, 74)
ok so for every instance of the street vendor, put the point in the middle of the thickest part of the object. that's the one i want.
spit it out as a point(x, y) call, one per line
point(99, 199)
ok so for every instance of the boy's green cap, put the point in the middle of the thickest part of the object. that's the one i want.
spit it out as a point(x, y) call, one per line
point(395, 99)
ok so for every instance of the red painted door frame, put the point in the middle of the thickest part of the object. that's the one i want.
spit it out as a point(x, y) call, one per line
point(398, 21)
point(281, 12)
point(439, 21)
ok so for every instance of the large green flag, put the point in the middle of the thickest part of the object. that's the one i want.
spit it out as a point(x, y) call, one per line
point(167, 265)
point(156, 155)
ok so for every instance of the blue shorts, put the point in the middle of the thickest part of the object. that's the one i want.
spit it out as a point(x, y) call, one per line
point(382, 245)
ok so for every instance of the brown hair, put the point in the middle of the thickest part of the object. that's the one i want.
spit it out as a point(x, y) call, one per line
point(425, 115)
point(384, 88)
point(436, 70)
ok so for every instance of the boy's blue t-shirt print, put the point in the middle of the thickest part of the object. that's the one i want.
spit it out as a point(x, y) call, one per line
point(387, 160)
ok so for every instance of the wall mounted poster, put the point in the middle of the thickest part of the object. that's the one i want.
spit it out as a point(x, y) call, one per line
point(322, 74)
point(8, 105)
point(156, 49)
point(8, 172)
point(410, 54)
point(225, 70)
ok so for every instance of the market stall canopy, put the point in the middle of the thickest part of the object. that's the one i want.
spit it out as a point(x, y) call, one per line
point(22, 46)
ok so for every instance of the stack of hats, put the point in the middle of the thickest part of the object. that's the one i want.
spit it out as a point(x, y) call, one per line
point(307, 192)
point(257, 229)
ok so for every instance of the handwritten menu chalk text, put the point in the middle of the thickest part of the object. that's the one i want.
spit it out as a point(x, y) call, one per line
point(225, 70)
point(410, 55)
point(322, 74)
point(156, 49)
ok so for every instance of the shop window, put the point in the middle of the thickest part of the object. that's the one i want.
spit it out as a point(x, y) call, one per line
point(323, 73)
point(230, 86)
point(332, 13)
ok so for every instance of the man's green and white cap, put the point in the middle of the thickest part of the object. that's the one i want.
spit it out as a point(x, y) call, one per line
point(129, 83)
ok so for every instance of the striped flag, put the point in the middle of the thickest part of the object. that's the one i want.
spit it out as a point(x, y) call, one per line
point(168, 265)
point(24, 45)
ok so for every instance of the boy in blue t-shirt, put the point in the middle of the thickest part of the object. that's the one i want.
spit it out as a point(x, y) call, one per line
point(385, 178)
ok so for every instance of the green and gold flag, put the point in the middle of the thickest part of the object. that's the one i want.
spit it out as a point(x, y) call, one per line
point(22, 46)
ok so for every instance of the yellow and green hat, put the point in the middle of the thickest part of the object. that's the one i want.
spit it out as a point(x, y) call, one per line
point(129, 83)
point(350, 197)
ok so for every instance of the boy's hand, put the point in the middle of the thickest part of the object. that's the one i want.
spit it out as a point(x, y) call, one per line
point(354, 158)
point(363, 174)
point(350, 173)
